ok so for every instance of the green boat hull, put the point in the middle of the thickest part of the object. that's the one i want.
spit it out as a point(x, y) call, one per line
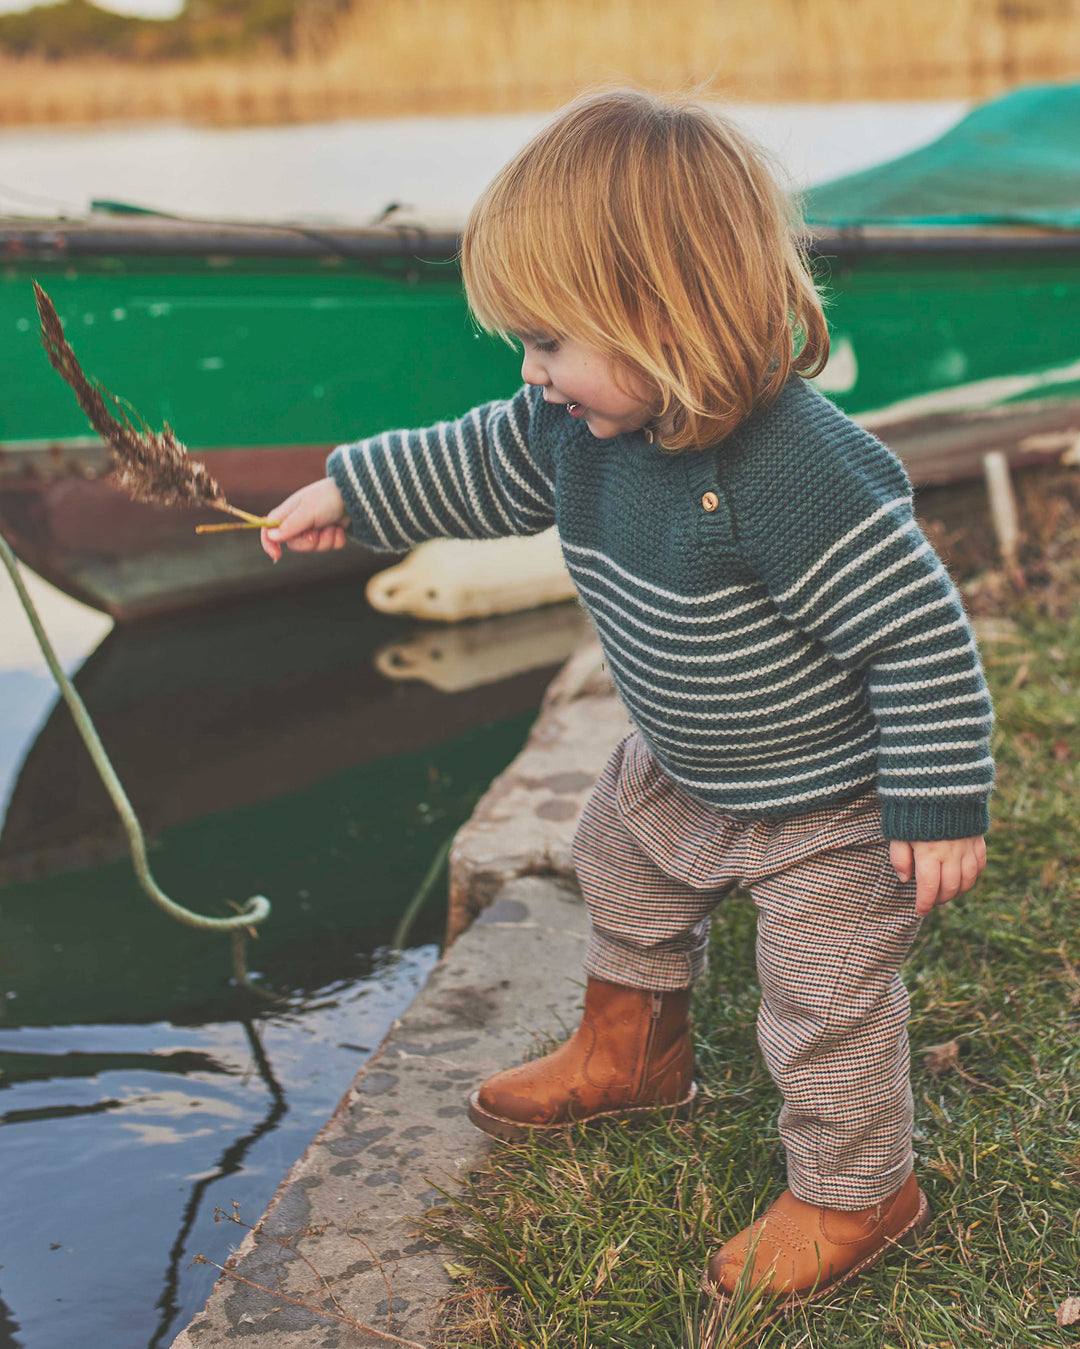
point(275, 346)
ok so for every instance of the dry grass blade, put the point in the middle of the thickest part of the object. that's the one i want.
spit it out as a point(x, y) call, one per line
point(147, 465)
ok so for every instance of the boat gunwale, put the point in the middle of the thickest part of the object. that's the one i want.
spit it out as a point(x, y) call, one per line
point(45, 238)
point(37, 239)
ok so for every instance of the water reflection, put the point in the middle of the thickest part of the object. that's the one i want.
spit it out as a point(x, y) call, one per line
point(228, 1164)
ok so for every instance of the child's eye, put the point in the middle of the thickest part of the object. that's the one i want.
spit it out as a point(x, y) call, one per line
point(547, 346)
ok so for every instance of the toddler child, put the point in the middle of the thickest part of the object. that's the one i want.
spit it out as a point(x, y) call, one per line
point(811, 717)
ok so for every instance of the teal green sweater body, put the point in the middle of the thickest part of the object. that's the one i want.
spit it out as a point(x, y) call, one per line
point(779, 628)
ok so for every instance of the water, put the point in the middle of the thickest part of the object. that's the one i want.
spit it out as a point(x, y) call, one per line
point(264, 754)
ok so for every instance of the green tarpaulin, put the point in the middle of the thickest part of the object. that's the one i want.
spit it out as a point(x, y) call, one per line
point(1014, 161)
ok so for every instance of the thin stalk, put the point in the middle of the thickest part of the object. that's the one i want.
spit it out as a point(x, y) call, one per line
point(418, 900)
point(240, 524)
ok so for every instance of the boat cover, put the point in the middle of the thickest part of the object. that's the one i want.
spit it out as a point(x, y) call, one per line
point(1012, 161)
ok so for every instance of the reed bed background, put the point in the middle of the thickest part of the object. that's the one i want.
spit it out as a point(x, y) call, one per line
point(395, 57)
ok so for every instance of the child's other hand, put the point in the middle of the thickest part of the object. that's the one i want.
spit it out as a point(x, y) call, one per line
point(942, 870)
point(313, 520)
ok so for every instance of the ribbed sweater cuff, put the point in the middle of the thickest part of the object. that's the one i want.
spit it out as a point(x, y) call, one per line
point(929, 821)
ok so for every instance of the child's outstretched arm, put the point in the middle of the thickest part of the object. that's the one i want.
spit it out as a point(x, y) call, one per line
point(487, 475)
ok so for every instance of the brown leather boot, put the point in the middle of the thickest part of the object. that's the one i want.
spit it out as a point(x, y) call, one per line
point(631, 1053)
point(804, 1251)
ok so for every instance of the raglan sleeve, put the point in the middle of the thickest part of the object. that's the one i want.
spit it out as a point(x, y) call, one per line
point(833, 535)
point(484, 476)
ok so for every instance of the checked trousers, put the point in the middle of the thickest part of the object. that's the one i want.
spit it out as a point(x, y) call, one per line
point(834, 925)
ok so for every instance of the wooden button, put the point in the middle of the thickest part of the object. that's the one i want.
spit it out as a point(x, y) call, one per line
point(710, 501)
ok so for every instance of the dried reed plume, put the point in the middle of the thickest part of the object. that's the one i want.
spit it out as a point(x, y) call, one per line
point(147, 465)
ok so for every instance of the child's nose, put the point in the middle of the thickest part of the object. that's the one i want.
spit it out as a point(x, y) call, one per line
point(533, 373)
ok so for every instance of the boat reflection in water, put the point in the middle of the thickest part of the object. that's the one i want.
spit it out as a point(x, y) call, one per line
point(486, 651)
point(210, 711)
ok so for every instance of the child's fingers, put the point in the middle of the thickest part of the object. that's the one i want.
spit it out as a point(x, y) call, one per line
point(288, 506)
point(269, 547)
point(314, 508)
point(927, 883)
point(902, 858)
point(305, 542)
point(970, 870)
point(331, 538)
point(317, 539)
point(298, 520)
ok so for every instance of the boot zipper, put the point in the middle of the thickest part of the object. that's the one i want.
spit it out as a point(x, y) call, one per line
point(656, 1006)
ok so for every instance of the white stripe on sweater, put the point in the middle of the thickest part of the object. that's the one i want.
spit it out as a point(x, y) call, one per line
point(719, 682)
point(772, 617)
point(361, 496)
point(429, 461)
point(771, 802)
point(731, 697)
point(457, 471)
point(858, 708)
point(976, 789)
point(720, 758)
point(935, 768)
point(874, 637)
point(985, 720)
point(856, 562)
point(972, 673)
point(648, 585)
point(977, 696)
point(819, 620)
point(936, 748)
point(422, 533)
point(841, 543)
point(781, 781)
point(485, 468)
point(716, 657)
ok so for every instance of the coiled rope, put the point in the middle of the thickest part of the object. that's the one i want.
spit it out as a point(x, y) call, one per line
point(257, 907)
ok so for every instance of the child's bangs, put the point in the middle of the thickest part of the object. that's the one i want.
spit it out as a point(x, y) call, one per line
point(507, 283)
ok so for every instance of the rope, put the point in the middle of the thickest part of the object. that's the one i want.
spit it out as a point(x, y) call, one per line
point(257, 907)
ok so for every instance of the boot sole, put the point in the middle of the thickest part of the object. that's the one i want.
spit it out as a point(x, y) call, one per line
point(513, 1131)
point(904, 1237)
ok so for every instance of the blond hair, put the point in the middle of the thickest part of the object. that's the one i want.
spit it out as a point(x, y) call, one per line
point(655, 232)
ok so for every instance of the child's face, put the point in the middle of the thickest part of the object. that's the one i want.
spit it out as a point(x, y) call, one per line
point(583, 380)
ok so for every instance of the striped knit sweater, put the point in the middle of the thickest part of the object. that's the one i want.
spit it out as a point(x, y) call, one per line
point(777, 625)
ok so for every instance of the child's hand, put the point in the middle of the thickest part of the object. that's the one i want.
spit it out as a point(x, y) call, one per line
point(942, 870)
point(313, 520)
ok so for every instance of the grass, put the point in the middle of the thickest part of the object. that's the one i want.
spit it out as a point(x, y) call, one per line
point(454, 56)
point(596, 1240)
